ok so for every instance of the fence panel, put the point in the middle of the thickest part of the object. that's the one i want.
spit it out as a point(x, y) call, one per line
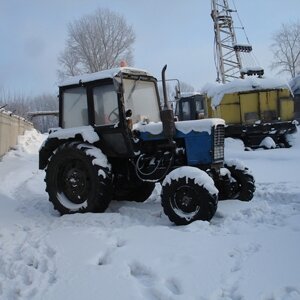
point(11, 126)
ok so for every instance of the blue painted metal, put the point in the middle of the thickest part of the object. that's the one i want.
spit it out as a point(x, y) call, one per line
point(198, 145)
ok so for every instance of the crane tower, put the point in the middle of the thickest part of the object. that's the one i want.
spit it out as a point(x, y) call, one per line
point(228, 53)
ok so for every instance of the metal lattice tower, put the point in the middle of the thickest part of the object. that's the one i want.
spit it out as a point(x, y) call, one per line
point(227, 51)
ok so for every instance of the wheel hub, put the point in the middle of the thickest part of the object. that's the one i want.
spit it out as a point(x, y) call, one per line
point(75, 183)
point(185, 199)
point(75, 179)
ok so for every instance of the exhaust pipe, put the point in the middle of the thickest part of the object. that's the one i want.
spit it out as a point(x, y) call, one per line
point(164, 86)
point(167, 115)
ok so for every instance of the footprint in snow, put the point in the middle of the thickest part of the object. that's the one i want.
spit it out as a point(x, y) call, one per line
point(291, 293)
point(174, 286)
point(25, 266)
point(142, 273)
point(155, 287)
point(241, 254)
point(104, 258)
point(287, 293)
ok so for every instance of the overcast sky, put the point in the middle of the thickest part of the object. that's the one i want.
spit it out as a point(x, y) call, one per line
point(176, 32)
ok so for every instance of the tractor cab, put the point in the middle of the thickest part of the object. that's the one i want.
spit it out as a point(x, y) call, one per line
point(110, 101)
point(190, 106)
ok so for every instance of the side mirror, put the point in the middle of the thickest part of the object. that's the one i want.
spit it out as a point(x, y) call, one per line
point(128, 113)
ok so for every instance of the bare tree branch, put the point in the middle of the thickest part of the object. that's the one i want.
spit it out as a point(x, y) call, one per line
point(21, 104)
point(96, 42)
point(286, 49)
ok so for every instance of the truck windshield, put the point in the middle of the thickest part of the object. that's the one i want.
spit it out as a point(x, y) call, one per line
point(141, 97)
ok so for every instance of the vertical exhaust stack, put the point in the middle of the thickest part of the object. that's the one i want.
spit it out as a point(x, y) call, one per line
point(167, 115)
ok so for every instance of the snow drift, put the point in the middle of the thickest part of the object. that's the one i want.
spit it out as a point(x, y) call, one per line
point(132, 251)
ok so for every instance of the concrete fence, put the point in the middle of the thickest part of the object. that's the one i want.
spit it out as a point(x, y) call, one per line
point(11, 126)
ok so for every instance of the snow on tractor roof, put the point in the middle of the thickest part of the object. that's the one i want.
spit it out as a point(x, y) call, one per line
point(111, 73)
point(217, 90)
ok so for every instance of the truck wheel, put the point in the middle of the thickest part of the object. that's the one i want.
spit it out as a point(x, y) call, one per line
point(140, 192)
point(185, 199)
point(243, 183)
point(78, 179)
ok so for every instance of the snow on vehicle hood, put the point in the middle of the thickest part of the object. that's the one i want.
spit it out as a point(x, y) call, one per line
point(182, 126)
point(217, 90)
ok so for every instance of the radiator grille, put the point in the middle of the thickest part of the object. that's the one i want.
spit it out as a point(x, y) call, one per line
point(219, 134)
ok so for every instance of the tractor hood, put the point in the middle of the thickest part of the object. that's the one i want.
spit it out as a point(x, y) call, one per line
point(183, 126)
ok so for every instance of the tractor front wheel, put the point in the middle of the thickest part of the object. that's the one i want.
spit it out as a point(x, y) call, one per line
point(190, 197)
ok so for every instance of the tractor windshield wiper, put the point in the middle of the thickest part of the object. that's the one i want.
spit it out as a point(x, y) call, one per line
point(133, 88)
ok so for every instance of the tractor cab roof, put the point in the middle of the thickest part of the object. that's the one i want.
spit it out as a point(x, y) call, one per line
point(106, 74)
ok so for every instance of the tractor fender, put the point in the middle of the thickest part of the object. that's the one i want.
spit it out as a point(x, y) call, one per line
point(59, 136)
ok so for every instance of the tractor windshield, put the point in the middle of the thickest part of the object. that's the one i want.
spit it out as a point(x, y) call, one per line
point(141, 97)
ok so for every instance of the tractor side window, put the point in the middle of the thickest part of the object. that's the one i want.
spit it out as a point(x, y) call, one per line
point(75, 110)
point(186, 110)
point(199, 105)
point(106, 105)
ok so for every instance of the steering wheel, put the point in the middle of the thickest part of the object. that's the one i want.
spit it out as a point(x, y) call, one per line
point(113, 117)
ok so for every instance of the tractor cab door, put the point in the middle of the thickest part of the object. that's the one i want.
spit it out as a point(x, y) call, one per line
point(109, 120)
point(97, 104)
point(186, 109)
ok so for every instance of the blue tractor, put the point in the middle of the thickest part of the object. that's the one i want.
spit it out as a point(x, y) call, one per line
point(116, 141)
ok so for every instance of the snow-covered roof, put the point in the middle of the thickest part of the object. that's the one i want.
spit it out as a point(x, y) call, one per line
point(217, 90)
point(111, 73)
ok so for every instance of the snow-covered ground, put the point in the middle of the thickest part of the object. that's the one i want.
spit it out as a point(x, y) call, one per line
point(132, 251)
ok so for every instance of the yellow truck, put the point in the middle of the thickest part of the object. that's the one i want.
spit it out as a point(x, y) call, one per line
point(253, 109)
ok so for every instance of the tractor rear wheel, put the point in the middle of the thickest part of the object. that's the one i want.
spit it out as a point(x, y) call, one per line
point(187, 198)
point(77, 180)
